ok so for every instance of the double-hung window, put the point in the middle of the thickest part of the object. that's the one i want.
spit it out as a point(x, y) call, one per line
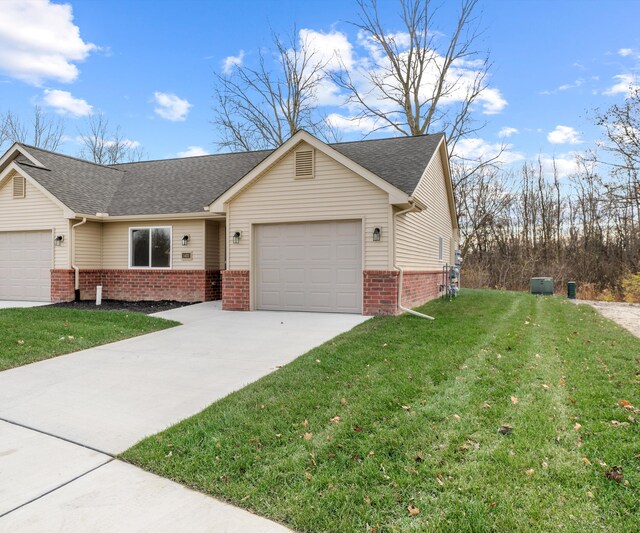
point(150, 247)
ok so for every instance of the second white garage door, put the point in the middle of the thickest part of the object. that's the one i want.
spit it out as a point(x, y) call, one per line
point(314, 266)
point(25, 263)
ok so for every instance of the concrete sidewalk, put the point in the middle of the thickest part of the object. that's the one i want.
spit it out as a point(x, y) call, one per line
point(65, 419)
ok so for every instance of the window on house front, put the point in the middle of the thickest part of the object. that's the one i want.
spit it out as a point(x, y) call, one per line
point(440, 249)
point(150, 247)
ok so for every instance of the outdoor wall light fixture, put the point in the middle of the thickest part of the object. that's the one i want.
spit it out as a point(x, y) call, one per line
point(236, 237)
point(376, 234)
point(58, 240)
point(185, 240)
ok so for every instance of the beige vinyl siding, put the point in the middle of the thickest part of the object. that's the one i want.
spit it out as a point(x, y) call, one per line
point(418, 234)
point(34, 212)
point(88, 245)
point(214, 245)
point(334, 193)
point(115, 239)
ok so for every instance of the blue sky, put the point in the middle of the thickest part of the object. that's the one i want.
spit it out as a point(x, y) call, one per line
point(553, 63)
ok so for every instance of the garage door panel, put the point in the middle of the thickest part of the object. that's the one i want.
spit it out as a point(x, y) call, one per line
point(25, 263)
point(319, 265)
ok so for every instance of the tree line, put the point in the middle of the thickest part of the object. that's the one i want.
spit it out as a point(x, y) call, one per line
point(528, 222)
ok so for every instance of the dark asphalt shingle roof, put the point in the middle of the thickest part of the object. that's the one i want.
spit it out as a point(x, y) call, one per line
point(186, 185)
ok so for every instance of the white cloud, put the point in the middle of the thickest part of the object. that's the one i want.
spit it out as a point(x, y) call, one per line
point(127, 143)
point(565, 86)
point(171, 107)
point(478, 149)
point(64, 103)
point(565, 164)
point(331, 49)
point(507, 131)
point(492, 101)
point(564, 135)
point(38, 41)
point(351, 124)
point(627, 83)
point(192, 151)
point(230, 62)
point(625, 52)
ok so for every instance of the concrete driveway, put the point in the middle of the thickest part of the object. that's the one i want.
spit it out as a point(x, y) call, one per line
point(63, 420)
point(8, 304)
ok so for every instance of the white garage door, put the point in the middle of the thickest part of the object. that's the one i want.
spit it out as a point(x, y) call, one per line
point(25, 263)
point(313, 266)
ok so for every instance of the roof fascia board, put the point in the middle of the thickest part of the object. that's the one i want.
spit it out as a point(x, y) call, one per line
point(16, 148)
point(68, 213)
point(444, 157)
point(396, 196)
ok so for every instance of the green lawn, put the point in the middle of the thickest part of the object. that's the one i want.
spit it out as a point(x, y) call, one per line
point(394, 426)
point(36, 333)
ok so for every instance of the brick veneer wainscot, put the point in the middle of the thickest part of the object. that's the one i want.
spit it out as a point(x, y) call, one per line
point(138, 285)
point(236, 290)
point(380, 290)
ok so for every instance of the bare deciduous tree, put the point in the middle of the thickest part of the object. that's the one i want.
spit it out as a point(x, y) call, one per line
point(418, 86)
point(43, 131)
point(107, 146)
point(261, 107)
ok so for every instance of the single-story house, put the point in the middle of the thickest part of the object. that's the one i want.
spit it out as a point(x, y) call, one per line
point(353, 227)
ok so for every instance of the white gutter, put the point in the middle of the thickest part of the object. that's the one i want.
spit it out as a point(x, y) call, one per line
point(395, 264)
point(73, 252)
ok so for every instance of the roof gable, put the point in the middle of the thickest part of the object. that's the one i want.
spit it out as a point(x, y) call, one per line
point(395, 195)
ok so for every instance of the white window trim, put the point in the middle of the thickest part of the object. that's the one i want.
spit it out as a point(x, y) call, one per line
point(150, 228)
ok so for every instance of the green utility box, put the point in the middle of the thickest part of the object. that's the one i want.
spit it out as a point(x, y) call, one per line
point(542, 286)
point(571, 290)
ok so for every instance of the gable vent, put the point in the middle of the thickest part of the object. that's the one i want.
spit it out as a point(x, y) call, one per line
point(19, 186)
point(304, 164)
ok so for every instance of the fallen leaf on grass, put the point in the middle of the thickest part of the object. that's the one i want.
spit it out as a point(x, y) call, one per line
point(308, 476)
point(308, 436)
point(615, 474)
point(357, 428)
point(439, 480)
point(505, 429)
point(625, 404)
point(413, 510)
point(545, 386)
point(305, 424)
point(586, 461)
point(457, 417)
point(577, 426)
point(406, 407)
point(529, 472)
point(335, 420)
point(485, 405)
point(343, 401)
point(20, 342)
point(514, 400)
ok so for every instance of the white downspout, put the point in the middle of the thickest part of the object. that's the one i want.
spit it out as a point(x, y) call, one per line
point(73, 252)
point(395, 264)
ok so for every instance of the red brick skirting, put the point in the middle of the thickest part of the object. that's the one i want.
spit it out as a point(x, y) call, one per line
point(380, 290)
point(235, 290)
point(138, 285)
point(419, 287)
point(62, 285)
